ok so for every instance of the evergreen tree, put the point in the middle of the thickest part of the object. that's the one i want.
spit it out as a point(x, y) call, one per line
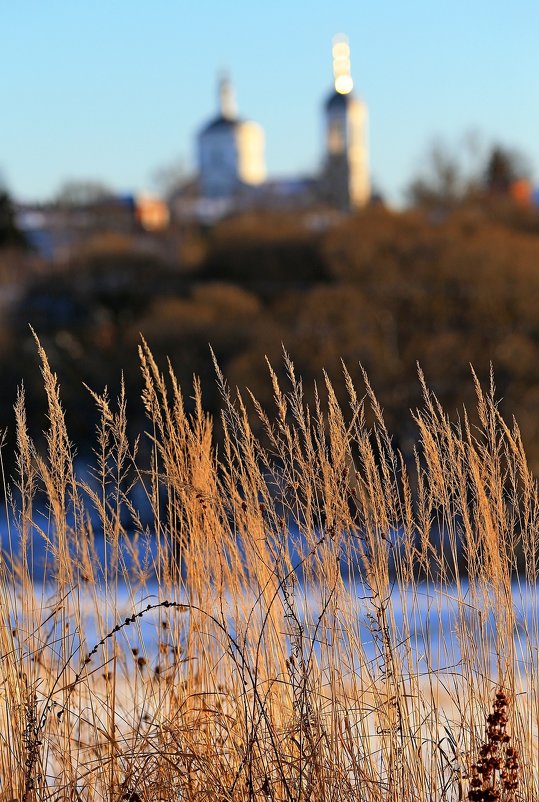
point(10, 234)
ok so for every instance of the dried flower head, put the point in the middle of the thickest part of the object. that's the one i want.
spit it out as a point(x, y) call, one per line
point(495, 775)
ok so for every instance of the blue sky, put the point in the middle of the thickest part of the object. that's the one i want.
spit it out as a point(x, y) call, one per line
point(114, 90)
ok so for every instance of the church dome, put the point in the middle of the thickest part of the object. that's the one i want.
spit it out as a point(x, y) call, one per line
point(337, 101)
point(220, 123)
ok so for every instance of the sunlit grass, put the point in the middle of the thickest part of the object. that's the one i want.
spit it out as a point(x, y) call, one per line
point(302, 615)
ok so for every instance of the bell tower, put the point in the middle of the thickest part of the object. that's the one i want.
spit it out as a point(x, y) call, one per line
point(345, 178)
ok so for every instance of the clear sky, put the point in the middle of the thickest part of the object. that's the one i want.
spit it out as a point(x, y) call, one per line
point(114, 90)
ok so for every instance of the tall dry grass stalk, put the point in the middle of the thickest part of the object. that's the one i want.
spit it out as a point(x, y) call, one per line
point(306, 616)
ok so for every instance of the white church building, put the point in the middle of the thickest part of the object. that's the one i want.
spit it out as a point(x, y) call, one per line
point(231, 162)
point(230, 150)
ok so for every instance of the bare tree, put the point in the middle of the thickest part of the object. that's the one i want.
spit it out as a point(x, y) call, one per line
point(504, 166)
point(82, 192)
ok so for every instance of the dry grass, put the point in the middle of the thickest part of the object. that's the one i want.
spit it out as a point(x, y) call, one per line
point(306, 617)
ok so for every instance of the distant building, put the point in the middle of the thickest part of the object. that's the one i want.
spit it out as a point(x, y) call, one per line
point(151, 213)
point(231, 168)
point(58, 230)
point(230, 151)
point(345, 181)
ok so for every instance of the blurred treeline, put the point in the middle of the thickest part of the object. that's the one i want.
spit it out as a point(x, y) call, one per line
point(383, 290)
